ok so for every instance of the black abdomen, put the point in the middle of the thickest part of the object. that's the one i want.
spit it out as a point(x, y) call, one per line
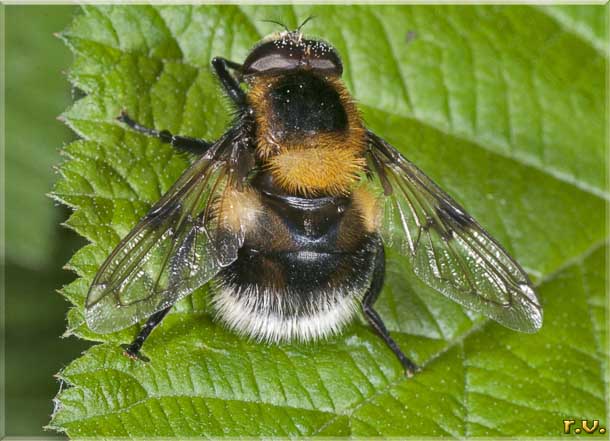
point(302, 271)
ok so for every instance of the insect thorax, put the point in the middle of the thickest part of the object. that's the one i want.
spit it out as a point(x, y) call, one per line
point(308, 133)
point(303, 104)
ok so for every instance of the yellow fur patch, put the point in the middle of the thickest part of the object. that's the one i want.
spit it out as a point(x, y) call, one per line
point(311, 171)
point(238, 209)
point(368, 206)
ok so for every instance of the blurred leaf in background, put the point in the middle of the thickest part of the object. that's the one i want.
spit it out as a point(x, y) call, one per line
point(36, 246)
point(503, 106)
point(35, 93)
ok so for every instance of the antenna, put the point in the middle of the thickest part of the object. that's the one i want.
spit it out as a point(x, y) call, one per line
point(277, 23)
point(311, 17)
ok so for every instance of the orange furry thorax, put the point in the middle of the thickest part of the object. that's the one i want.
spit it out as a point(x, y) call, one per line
point(318, 170)
point(321, 163)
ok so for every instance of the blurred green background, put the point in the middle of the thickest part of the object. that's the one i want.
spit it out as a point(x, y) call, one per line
point(36, 247)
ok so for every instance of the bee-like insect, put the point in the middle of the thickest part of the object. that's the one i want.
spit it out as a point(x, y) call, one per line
point(287, 215)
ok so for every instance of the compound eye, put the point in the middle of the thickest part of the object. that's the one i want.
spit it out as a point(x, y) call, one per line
point(291, 53)
point(322, 57)
point(276, 61)
point(268, 57)
point(330, 65)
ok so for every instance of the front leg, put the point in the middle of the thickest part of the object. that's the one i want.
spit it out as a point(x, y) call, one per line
point(373, 317)
point(230, 83)
point(184, 143)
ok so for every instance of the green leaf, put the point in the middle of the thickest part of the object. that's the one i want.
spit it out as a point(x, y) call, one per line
point(34, 97)
point(503, 106)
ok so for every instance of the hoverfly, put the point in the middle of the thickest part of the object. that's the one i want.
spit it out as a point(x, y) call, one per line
point(289, 213)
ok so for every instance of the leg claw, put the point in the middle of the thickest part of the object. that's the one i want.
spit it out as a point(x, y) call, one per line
point(134, 355)
point(411, 369)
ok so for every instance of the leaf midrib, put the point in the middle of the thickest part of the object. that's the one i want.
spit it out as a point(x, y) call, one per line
point(601, 47)
point(522, 159)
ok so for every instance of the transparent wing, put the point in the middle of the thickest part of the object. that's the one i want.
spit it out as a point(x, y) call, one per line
point(177, 247)
point(449, 250)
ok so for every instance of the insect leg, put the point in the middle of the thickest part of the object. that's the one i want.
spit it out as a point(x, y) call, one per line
point(133, 350)
point(373, 318)
point(230, 84)
point(184, 143)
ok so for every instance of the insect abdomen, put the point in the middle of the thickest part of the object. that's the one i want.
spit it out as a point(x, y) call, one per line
point(302, 272)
